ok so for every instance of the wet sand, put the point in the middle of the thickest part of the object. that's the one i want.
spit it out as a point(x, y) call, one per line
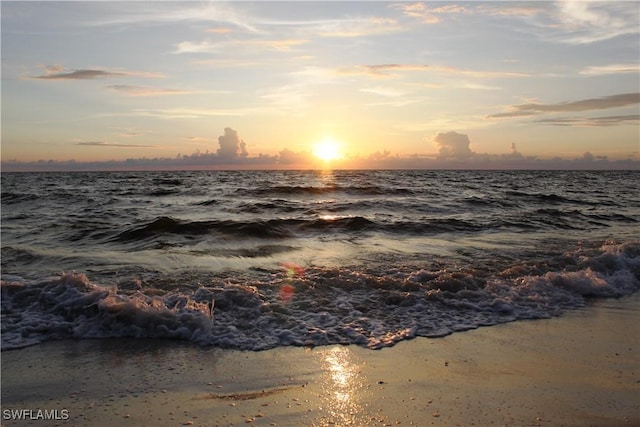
point(577, 370)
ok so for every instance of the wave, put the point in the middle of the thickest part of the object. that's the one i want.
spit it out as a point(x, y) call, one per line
point(10, 198)
point(69, 306)
point(299, 227)
point(550, 198)
point(365, 190)
point(291, 227)
point(316, 306)
point(11, 255)
point(164, 192)
point(167, 225)
point(299, 222)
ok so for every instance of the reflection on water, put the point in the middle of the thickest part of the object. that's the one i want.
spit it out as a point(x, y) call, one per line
point(342, 386)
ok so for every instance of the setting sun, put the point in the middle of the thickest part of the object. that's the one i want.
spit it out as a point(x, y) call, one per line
point(327, 150)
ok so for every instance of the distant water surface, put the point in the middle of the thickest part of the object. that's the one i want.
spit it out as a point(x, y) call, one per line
point(308, 258)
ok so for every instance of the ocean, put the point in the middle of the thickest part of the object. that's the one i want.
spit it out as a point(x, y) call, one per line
point(261, 259)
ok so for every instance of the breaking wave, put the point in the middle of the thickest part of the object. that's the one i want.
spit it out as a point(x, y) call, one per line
point(315, 306)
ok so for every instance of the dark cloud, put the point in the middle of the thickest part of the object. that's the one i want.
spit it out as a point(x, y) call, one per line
point(613, 101)
point(603, 121)
point(510, 114)
point(231, 146)
point(453, 145)
point(454, 152)
point(80, 75)
point(113, 144)
point(385, 68)
point(144, 90)
point(58, 72)
point(289, 157)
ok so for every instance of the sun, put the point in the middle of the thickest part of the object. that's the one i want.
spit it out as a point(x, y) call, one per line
point(327, 150)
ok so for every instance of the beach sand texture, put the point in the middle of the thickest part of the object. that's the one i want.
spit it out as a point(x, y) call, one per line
point(577, 370)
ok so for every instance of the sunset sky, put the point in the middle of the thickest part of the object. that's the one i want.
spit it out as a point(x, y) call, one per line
point(266, 84)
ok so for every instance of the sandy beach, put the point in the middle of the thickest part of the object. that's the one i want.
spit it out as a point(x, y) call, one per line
point(576, 370)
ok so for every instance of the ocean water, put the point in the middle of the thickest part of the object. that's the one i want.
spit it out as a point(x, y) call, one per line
point(261, 259)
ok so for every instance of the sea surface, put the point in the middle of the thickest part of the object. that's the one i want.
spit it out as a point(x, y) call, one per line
point(260, 259)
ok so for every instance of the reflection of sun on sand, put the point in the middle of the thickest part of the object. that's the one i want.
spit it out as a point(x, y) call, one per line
point(327, 150)
point(248, 395)
point(543, 372)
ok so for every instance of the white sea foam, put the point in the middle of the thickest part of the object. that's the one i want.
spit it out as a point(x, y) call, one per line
point(314, 306)
point(70, 306)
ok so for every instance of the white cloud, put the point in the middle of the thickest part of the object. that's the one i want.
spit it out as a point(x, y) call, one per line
point(391, 70)
point(384, 91)
point(599, 70)
point(215, 46)
point(350, 26)
point(586, 22)
point(168, 12)
point(428, 14)
point(359, 27)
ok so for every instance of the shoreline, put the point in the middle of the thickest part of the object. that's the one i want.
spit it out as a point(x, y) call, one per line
point(582, 368)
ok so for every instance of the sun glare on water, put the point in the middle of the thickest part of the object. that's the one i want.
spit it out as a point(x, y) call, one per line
point(327, 150)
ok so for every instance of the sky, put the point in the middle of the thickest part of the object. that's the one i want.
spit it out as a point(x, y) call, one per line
point(302, 84)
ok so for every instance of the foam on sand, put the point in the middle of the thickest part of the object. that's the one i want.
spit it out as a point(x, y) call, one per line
point(575, 370)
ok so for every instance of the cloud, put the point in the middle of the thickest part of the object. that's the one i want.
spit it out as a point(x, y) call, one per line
point(231, 146)
point(387, 70)
point(611, 69)
point(381, 70)
point(113, 144)
point(427, 14)
point(588, 22)
point(358, 27)
point(509, 9)
point(229, 63)
point(344, 27)
point(58, 72)
point(189, 113)
point(129, 134)
point(168, 12)
point(288, 157)
point(455, 153)
point(604, 121)
point(227, 18)
point(511, 114)
point(219, 30)
point(145, 91)
point(613, 101)
point(453, 145)
point(212, 46)
point(384, 91)
point(78, 75)
point(568, 22)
